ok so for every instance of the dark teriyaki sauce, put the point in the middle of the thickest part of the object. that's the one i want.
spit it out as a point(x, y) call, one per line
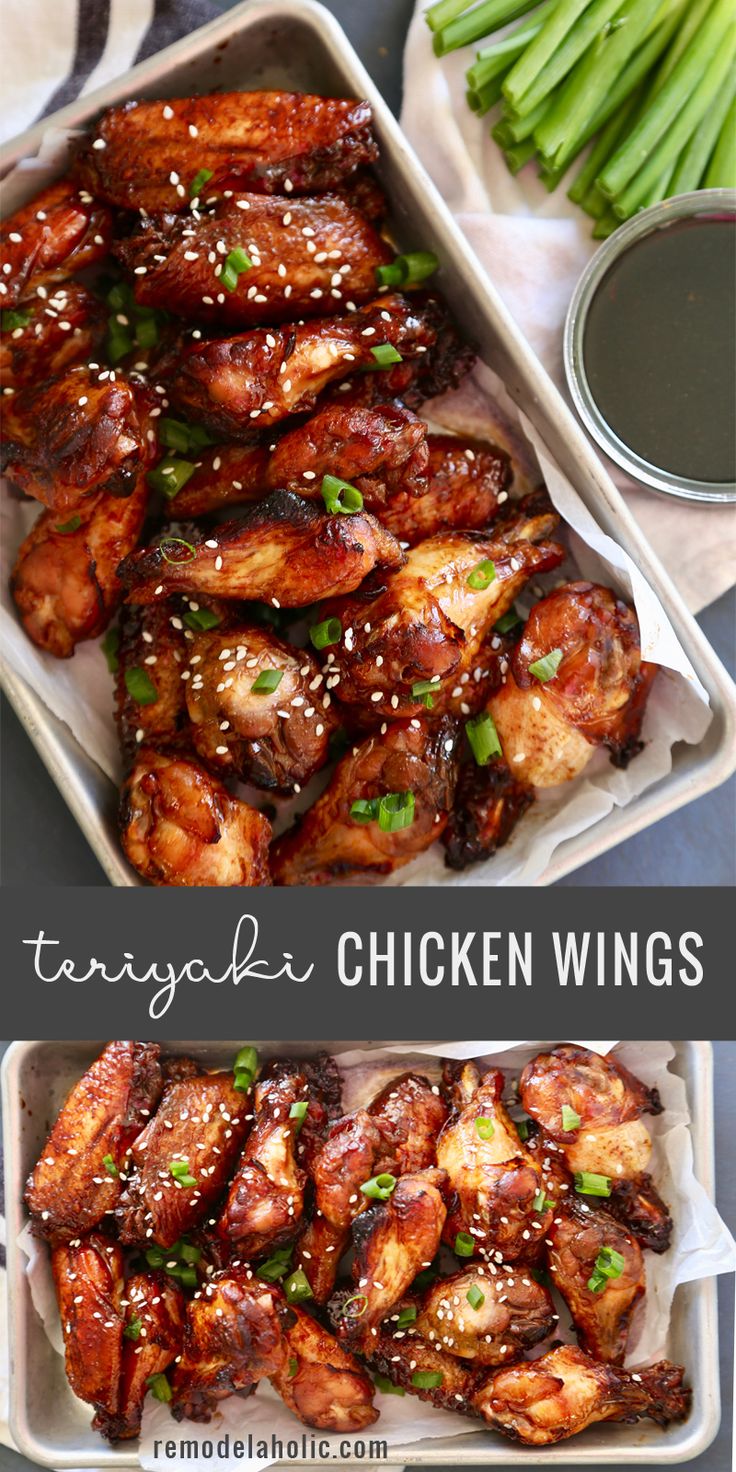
point(659, 348)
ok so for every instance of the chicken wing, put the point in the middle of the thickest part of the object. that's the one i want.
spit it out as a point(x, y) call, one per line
point(201, 1124)
point(602, 1313)
point(148, 155)
point(557, 1396)
point(77, 1178)
point(572, 1083)
point(153, 709)
point(488, 805)
point(320, 1381)
point(468, 482)
point(394, 1240)
point(275, 737)
point(283, 550)
point(152, 1338)
point(238, 385)
point(64, 583)
point(60, 231)
point(409, 769)
point(485, 1314)
point(88, 1277)
point(410, 1113)
point(266, 1197)
point(549, 723)
point(46, 335)
point(300, 256)
point(421, 1367)
point(87, 431)
point(179, 826)
point(496, 1207)
point(232, 1338)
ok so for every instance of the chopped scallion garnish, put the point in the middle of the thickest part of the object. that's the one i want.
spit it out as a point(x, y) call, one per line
point(481, 576)
point(407, 270)
point(237, 262)
point(379, 1188)
point(179, 1169)
point(168, 545)
point(170, 475)
point(326, 633)
point(140, 686)
point(546, 668)
point(364, 810)
point(293, 1367)
point(67, 527)
point(299, 1109)
point(464, 1245)
point(110, 1165)
point(522, 1129)
point(508, 622)
point(385, 354)
point(476, 1298)
point(395, 811)
point(424, 690)
point(159, 1387)
point(132, 1330)
point(427, 1379)
point(267, 682)
point(608, 1264)
point(587, 1183)
point(570, 1120)
point(245, 1068)
point(201, 178)
point(483, 738)
point(201, 619)
point(387, 1386)
point(406, 1316)
point(12, 319)
point(541, 1202)
point(276, 1266)
point(339, 495)
point(485, 1128)
point(296, 1287)
point(109, 646)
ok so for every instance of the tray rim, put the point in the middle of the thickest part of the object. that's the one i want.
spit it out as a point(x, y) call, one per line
point(701, 1433)
point(713, 761)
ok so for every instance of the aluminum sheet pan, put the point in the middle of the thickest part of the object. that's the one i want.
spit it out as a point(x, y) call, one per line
point(297, 44)
point(52, 1427)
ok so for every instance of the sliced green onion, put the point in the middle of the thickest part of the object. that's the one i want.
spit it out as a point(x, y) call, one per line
point(608, 1264)
point(174, 434)
point(545, 668)
point(391, 274)
point(120, 297)
point(541, 1202)
point(326, 633)
point(133, 1329)
point(200, 178)
point(236, 263)
point(406, 1316)
point(485, 1127)
point(189, 1253)
point(296, 1287)
point(481, 576)
point(146, 329)
point(356, 1298)
point(119, 341)
point(201, 619)
point(427, 1379)
point(185, 1275)
point(170, 475)
point(424, 690)
point(587, 1183)
point(171, 542)
point(385, 354)
point(156, 1257)
point(12, 319)
point(476, 1298)
point(72, 525)
point(267, 682)
point(522, 1129)
point(483, 738)
point(179, 1169)
point(395, 811)
point(245, 1068)
point(339, 495)
point(299, 1109)
point(293, 1367)
point(570, 1120)
point(364, 810)
point(159, 1387)
point(407, 270)
point(109, 646)
point(379, 1187)
point(276, 1266)
point(110, 1165)
point(387, 1386)
point(464, 1245)
point(140, 686)
point(509, 621)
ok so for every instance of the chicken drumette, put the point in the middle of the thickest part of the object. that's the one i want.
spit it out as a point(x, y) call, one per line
point(266, 1197)
point(467, 483)
point(232, 1338)
point(319, 1380)
point(487, 1314)
point(45, 335)
point(601, 1303)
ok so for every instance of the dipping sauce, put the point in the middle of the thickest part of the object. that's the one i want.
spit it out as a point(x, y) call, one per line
point(659, 351)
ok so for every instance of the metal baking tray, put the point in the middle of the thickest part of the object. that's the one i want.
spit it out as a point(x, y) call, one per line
point(298, 45)
point(52, 1427)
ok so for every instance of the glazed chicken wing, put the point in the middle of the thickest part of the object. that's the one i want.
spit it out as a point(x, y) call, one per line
point(496, 1185)
point(46, 335)
point(87, 431)
point(64, 583)
point(88, 1277)
point(76, 1180)
point(276, 738)
point(60, 231)
point(201, 1124)
point(467, 482)
point(238, 385)
point(601, 1312)
point(305, 254)
point(488, 804)
point(611, 1139)
point(152, 644)
point(413, 764)
point(560, 1394)
point(154, 1326)
point(320, 1381)
point(485, 1314)
point(151, 153)
point(410, 1113)
point(232, 1338)
point(266, 1197)
point(225, 475)
point(421, 1367)
point(437, 370)
point(550, 727)
point(394, 1240)
point(180, 826)
point(283, 550)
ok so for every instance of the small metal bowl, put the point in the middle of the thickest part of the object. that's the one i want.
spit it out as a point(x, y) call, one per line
point(706, 202)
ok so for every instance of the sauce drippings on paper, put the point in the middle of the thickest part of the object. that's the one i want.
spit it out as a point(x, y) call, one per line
point(659, 349)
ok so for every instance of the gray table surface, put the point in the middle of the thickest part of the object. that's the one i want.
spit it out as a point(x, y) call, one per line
point(41, 842)
point(718, 1457)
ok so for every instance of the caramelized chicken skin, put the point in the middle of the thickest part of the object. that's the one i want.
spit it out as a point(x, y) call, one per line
point(76, 1180)
point(467, 483)
point(601, 1315)
point(405, 1358)
point(266, 1197)
point(265, 142)
point(283, 549)
point(488, 804)
point(320, 1381)
point(77, 434)
point(557, 1396)
point(232, 1338)
point(506, 1313)
point(225, 475)
point(394, 1240)
point(88, 1277)
point(238, 385)
point(410, 1113)
point(201, 1121)
point(330, 843)
point(64, 583)
point(180, 826)
point(154, 1326)
point(152, 640)
point(275, 738)
point(297, 249)
point(60, 231)
point(51, 333)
